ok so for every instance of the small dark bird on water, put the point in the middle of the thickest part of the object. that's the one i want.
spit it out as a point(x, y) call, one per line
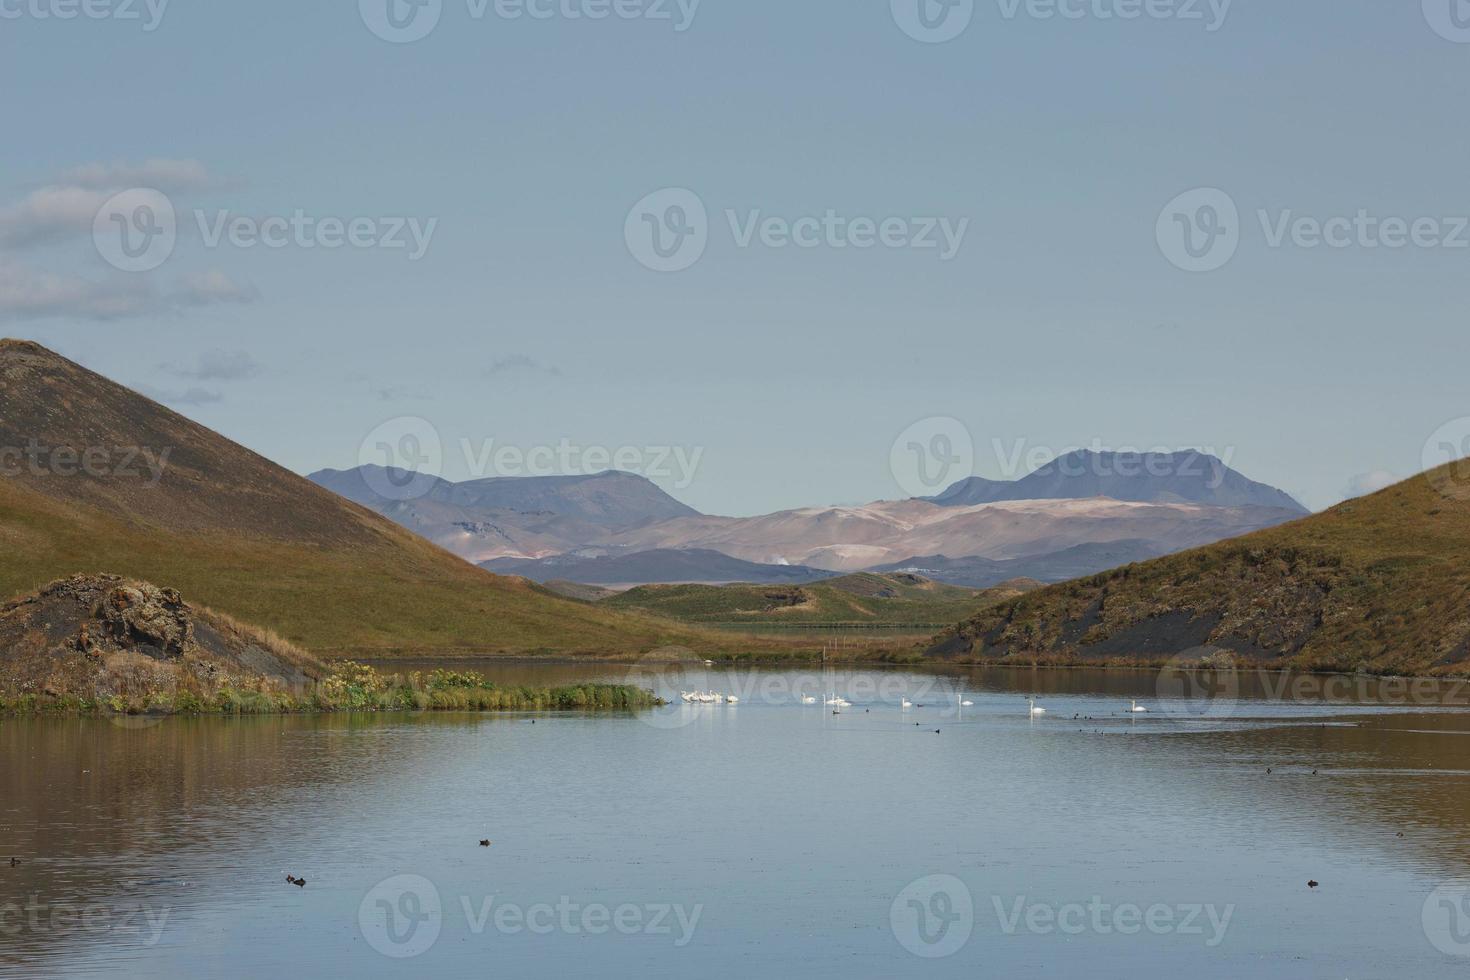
point(1268, 772)
point(298, 882)
point(16, 861)
point(1312, 884)
point(936, 731)
point(484, 843)
point(1401, 833)
point(1314, 772)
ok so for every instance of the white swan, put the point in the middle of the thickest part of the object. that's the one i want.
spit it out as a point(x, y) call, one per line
point(1034, 709)
point(808, 699)
point(1137, 709)
point(907, 703)
point(732, 699)
point(963, 703)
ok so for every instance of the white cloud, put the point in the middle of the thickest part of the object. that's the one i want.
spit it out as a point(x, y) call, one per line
point(1362, 484)
point(189, 396)
point(26, 294)
point(517, 363)
point(218, 365)
point(49, 214)
point(201, 289)
point(159, 173)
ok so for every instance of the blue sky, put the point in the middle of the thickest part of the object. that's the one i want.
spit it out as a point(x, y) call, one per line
point(1060, 321)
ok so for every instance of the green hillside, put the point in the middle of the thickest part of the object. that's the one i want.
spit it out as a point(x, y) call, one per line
point(1381, 583)
point(237, 533)
point(863, 599)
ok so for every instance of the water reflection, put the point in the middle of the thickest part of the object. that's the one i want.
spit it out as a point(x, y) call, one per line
point(795, 827)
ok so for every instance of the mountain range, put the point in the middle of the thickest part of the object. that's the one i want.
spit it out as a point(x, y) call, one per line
point(1091, 512)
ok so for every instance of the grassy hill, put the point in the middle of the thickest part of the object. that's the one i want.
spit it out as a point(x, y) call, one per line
point(1381, 583)
point(894, 599)
point(240, 534)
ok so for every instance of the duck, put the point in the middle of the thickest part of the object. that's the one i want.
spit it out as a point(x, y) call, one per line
point(298, 882)
point(1312, 884)
point(15, 862)
point(484, 843)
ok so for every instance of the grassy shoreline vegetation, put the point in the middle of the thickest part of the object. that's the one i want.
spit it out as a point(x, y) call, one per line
point(349, 687)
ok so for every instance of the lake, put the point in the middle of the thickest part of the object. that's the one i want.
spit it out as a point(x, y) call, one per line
point(769, 837)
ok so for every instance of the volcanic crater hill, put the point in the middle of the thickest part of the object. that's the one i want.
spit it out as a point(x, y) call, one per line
point(103, 635)
point(243, 535)
point(1379, 584)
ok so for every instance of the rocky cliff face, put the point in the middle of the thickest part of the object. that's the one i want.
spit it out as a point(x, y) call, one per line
point(96, 635)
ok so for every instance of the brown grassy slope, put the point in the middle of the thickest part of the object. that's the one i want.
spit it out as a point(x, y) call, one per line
point(1381, 583)
point(238, 533)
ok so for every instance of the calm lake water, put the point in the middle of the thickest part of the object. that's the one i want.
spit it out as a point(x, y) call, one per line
point(766, 838)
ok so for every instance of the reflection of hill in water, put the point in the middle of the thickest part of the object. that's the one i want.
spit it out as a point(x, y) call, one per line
point(205, 817)
point(115, 817)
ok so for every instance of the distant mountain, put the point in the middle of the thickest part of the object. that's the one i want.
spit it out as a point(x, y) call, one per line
point(519, 517)
point(1058, 566)
point(660, 565)
point(1377, 584)
point(849, 539)
point(1184, 477)
point(569, 527)
point(124, 485)
point(612, 498)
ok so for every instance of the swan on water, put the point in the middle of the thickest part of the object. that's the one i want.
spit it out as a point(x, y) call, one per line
point(1034, 709)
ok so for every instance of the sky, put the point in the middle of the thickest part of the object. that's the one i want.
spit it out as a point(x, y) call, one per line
point(577, 236)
